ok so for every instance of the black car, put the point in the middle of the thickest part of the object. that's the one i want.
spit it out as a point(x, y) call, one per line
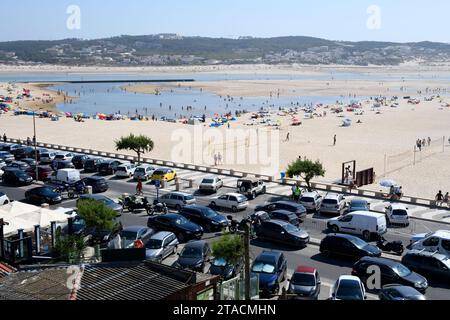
point(282, 232)
point(348, 246)
point(430, 264)
point(271, 267)
point(204, 216)
point(6, 156)
point(110, 203)
point(285, 216)
point(194, 256)
point(43, 195)
point(179, 225)
point(79, 160)
point(19, 165)
point(109, 167)
point(98, 184)
point(15, 176)
point(30, 161)
point(226, 270)
point(62, 164)
point(91, 164)
point(391, 272)
point(22, 153)
point(290, 206)
point(396, 292)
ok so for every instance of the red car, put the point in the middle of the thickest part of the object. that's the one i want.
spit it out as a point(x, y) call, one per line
point(44, 173)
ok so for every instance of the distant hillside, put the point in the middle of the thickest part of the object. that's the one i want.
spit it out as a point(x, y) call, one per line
point(172, 49)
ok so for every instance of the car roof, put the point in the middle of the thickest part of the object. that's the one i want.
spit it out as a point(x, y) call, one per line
point(179, 193)
point(305, 269)
point(366, 214)
point(278, 222)
point(285, 212)
point(290, 203)
point(349, 278)
point(398, 206)
point(134, 228)
point(311, 194)
point(95, 178)
point(269, 256)
point(384, 261)
point(444, 234)
point(342, 235)
point(404, 290)
point(250, 179)
point(93, 196)
point(196, 244)
point(234, 194)
point(425, 253)
point(161, 235)
point(332, 195)
point(361, 201)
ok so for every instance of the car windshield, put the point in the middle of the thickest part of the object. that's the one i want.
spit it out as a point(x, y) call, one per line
point(188, 197)
point(129, 235)
point(241, 199)
point(263, 267)
point(307, 199)
point(220, 262)
point(401, 270)
point(191, 252)
point(359, 243)
point(349, 290)
point(209, 213)
point(208, 181)
point(358, 204)
point(180, 220)
point(159, 173)
point(106, 201)
point(303, 279)
point(399, 212)
point(140, 170)
point(329, 201)
point(154, 244)
point(291, 228)
point(123, 169)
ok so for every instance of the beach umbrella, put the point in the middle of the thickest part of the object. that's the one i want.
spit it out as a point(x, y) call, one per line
point(387, 183)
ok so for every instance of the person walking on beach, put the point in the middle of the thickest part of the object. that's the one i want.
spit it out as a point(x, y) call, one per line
point(288, 136)
point(4, 137)
point(219, 159)
point(139, 187)
point(429, 141)
point(215, 159)
point(439, 198)
point(334, 140)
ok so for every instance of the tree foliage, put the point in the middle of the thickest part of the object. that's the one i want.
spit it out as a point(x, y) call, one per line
point(139, 144)
point(228, 247)
point(306, 169)
point(70, 247)
point(97, 215)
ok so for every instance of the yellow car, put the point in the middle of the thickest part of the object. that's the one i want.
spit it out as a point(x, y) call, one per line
point(164, 175)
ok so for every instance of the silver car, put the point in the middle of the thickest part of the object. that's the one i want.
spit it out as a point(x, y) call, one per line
point(209, 184)
point(160, 246)
point(134, 233)
point(144, 172)
point(177, 200)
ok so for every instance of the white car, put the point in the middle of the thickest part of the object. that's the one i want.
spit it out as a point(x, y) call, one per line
point(177, 199)
point(64, 156)
point(348, 288)
point(210, 184)
point(438, 241)
point(125, 170)
point(397, 214)
point(144, 172)
point(3, 199)
point(47, 157)
point(362, 223)
point(232, 201)
point(311, 201)
point(333, 203)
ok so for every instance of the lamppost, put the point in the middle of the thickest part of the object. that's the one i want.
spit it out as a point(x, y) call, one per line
point(35, 146)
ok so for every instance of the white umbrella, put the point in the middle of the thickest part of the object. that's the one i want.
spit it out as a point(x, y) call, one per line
point(387, 183)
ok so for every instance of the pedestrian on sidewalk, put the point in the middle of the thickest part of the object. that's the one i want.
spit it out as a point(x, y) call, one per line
point(439, 199)
point(219, 159)
point(446, 200)
point(215, 159)
point(139, 187)
point(4, 138)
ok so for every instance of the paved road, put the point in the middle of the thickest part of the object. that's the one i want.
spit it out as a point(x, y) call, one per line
point(330, 269)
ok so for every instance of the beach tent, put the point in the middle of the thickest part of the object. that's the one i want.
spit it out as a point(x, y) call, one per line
point(20, 215)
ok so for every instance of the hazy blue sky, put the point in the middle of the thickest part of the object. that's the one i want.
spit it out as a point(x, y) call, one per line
point(401, 20)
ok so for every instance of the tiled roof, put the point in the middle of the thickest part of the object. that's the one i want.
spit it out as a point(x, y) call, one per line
point(5, 269)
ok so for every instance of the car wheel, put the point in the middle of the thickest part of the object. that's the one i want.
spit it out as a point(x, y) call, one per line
point(213, 205)
point(366, 235)
point(335, 229)
point(234, 209)
point(181, 237)
point(178, 207)
point(6, 202)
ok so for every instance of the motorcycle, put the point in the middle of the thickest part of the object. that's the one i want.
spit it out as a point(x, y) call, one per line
point(72, 190)
point(158, 207)
point(135, 203)
point(394, 246)
point(238, 227)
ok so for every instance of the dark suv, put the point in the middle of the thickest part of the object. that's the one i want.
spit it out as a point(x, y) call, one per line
point(98, 184)
point(290, 206)
point(206, 217)
point(16, 176)
point(109, 167)
point(430, 264)
point(78, 161)
point(348, 246)
point(92, 164)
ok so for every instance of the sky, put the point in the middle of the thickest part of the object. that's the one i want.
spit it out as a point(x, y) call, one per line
point(350, 20)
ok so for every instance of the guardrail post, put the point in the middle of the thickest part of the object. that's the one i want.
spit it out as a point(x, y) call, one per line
point(177, 184)
point(191, 183)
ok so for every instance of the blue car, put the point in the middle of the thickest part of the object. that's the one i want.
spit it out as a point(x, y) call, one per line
point(271, 267)
point(358, 205)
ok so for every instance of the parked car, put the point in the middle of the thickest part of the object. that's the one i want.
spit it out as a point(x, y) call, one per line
point(163, 174)
point(232, 201)
point(226, 270)
point(177, 199)
point(209, 219)
point(23, 152)
point(194, 256)
point(438, 241)
point(183, 228)
point(161, 245)
point(62, 164)
point(79, 160)
point(144, 172)
point(14, 176)
point(47, 157)
point(210, 184)
point(311, 201)
point(105, 200)
point(282, 232)
point(92, 165)
point(432, 265)
point(285, 216)
point(290, 206)
point(31, 162)
point(362, 223)
point(98, 184)
point(358, 205)
point(6, 156)
point(397, 292)
point(271, 267)
point(19, 165)
point(134, 233)
point(2, 163)
point(11, 147)
point(108, 167)
point(348, 288)
point(44, 173)
point(43, 195)
point(397, 214)
point(3, 199)
point(347, 246)
point(40, 151)
point(251, 188)
point(125, 170)
point(64, 156)
point(333, 203)
point(305, 283)
point(391, 272)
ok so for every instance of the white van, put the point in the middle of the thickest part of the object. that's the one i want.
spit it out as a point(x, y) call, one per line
point(438, 241)
point(66, 176)
point(364, 223)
